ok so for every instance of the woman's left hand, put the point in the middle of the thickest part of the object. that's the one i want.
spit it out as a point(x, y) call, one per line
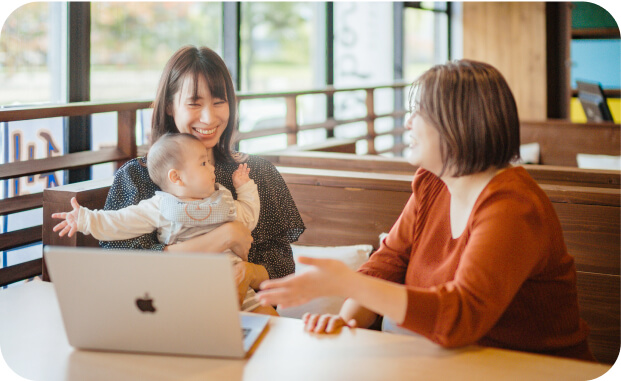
point(326, 277)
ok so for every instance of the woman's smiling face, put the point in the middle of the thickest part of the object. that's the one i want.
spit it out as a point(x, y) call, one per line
point(199, 113)
point(424, 144)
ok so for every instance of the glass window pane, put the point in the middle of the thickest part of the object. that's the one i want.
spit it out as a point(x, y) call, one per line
point(261, 114)
point(264, 144)
point(425, 41)
point(278, 46)
point(316, 135)
point(28, 140)
point(31, 54)
point(311, 109)
point(131, 42)
point(363, 56)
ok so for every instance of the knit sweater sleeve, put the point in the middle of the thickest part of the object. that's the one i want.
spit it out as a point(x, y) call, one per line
point(391, 260)
point(506, 246)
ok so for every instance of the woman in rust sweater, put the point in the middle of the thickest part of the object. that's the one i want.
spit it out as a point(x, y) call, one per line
point(477, 255)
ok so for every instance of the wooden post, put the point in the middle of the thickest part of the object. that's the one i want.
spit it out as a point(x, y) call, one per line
point(370, 123)
point(126, 140)
point(291, 121)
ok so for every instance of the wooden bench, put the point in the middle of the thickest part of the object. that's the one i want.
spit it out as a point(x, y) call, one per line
point(560, 140)
point(546, 174)
point(347, 207)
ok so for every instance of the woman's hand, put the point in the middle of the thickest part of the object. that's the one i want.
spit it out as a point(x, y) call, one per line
point(326, 277)
point(326, 323)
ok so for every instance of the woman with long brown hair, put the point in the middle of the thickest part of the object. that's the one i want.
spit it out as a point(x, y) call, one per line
point(196, 96)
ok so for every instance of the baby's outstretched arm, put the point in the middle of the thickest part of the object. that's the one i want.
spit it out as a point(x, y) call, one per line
point(70, 223)
point(240, 176)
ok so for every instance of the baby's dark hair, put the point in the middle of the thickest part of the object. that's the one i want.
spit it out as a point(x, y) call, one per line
point(165, 154)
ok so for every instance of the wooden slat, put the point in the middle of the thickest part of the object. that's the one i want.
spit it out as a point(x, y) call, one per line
point(21, 203)
point(68, 161)
point(20, 237)
point(20, 271)
point(590, 33)
point(582, 195)
point(370, 106)
point(346, 179)
point(329, 90)
point(339, 161)
point(574, 176)
point(598, 298)
point(71, 109)
point(560, 141)
point(329, 145)
point(370, 163)
point(591, 234)
point(291, 121)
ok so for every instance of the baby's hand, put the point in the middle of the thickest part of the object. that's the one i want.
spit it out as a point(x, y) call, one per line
point(70, 223)
point(240, 176)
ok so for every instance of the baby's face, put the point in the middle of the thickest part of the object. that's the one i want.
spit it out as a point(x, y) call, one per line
point(197, 174)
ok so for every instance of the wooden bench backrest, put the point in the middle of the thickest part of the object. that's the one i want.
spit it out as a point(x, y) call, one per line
point(560, 141)
point(547, 174)
point(345, 207)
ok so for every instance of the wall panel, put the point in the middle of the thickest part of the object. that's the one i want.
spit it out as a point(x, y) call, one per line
point(512, 37)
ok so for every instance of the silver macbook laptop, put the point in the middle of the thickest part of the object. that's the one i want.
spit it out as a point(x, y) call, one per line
point(138, 301)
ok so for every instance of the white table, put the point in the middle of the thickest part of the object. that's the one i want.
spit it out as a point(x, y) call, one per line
point(33, 343)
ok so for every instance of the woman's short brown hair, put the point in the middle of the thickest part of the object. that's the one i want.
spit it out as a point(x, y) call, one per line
point(473, 109)
point(196, 62)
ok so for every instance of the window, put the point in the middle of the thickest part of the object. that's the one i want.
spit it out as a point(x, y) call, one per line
point(426, 42)
point(31, 59)
point(425, 38)
point(281, 49)
point(131, 42)
point(363, 56)
point(31, 72)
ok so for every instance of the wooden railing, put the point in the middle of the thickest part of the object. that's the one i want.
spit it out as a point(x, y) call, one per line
point(127, 149)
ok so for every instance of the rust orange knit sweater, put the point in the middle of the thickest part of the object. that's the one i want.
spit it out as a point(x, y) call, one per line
point(506, 282)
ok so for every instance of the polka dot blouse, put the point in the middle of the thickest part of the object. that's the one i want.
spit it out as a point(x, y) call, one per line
point(279, 222)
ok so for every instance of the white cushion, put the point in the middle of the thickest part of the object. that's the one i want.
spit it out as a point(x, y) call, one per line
point(529, 154)
point(353, 256)
point(598, 161)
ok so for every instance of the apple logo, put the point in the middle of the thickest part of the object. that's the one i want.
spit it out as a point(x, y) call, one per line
point(145, 304)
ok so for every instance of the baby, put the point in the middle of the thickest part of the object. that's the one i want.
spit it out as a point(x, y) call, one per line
point(191, 203)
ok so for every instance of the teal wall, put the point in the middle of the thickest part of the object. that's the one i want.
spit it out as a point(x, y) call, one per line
point(597, 60)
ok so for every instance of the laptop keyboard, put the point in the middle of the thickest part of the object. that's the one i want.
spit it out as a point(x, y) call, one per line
point(245, 332)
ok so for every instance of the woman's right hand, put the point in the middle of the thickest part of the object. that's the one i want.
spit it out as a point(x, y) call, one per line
point(326, 323)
